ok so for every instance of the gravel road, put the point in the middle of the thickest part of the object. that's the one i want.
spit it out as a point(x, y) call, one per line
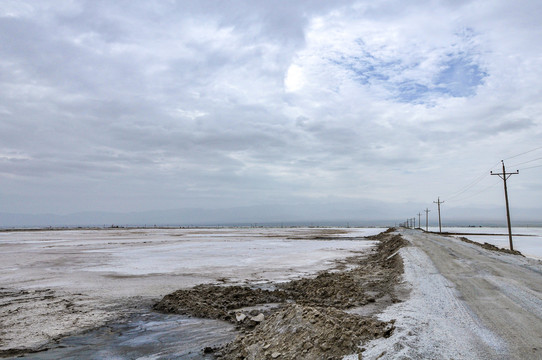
point(466, 302)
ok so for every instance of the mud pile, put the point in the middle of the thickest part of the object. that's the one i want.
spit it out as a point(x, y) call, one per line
point(491, 247)
point(381, 236)
point(215, 302)
point(305, 332)
point(340, 290)
point(310, 324)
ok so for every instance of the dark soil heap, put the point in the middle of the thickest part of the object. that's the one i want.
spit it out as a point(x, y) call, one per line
point(491, 247)
point(214, 301)
point(305, 332)
point(310, 324)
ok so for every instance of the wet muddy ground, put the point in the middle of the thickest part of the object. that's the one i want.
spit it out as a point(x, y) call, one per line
point(149, 335)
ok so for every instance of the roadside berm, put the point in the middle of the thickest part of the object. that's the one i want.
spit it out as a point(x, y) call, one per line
point(309, 318)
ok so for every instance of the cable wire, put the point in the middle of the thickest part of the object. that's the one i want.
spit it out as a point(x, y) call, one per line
point(525, 162)
point(481, 191)
point(530, 167)
point(477, 180)
point(523, 153)
point(472, 183)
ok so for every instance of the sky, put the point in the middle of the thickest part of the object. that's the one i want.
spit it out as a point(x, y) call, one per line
point(139, 106)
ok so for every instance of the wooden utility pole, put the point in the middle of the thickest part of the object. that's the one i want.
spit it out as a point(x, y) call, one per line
point(504, 176)
point(419, 220)
point(438, 202)
point(426, 217)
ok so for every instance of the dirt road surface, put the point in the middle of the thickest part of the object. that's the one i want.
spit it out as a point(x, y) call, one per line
point(466, 302)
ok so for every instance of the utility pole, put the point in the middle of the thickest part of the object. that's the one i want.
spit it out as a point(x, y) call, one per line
point(426, 217)
point(414, 222)
point(419, 221)
point(504, 176)
point(438, 202)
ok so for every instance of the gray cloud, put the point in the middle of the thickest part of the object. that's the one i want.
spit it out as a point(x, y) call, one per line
point(132, 105)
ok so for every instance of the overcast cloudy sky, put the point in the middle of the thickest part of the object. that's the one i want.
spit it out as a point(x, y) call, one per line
point(146, 105)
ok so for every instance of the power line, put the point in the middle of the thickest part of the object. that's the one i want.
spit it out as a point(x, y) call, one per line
point(468, 187)
point(454, 197)
point(523, 153)
point(479, 192)
point(530, 167)
point(525, 162)
point(457, 198)
point(472, 183)
point(482, 176)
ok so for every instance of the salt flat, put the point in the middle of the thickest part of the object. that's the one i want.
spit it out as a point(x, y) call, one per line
point(54, 283)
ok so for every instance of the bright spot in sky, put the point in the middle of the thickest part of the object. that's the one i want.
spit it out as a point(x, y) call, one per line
point(294, 78)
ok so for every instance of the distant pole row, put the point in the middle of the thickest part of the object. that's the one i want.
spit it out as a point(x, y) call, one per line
point(411, 222)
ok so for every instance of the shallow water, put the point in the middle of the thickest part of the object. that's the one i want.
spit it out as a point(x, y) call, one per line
point(144, 336)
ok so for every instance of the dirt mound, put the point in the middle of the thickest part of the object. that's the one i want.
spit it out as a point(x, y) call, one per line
point(341, 290)
point(387, 249)
point(373, 276)
point(491, 247)
point(215, 302)
point(304, 332)
point(381, 236)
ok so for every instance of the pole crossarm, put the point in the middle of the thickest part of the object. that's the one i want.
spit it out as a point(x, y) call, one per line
point(507, 175)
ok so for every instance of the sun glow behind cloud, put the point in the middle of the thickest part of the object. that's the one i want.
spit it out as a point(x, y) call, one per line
point(294, 78)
